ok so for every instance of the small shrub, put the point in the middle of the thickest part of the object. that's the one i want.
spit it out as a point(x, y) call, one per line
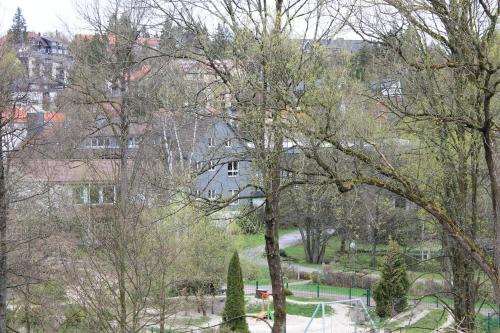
point(315, 277)
point(283, 253)
point(287, 292)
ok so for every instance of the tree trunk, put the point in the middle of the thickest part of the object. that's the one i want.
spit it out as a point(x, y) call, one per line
point(373, 260)
point(465, 291)
point(274, 263)
point(3, 245)
point(342, 245)
point(491, 162)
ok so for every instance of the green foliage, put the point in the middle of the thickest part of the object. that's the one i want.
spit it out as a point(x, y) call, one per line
point(390, 293)
point(287, 292)
point(235, 300)
point(248, 221)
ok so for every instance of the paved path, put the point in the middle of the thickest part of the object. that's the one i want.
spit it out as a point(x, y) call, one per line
point(256, 254)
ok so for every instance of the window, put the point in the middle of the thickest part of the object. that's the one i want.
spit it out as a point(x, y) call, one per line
point(197, 193)
point(211, 142)
point(234, 195)
point(95, 198)
point(108, 194)
point(232, 169)
point(93, 194)
point(227, 143)
point(212, 194)
point(133, 142)
point(212, 166)
point(80, 194)
point(199, 165)
point(96, 143)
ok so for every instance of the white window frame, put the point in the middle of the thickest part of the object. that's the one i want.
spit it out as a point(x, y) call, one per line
point(133, 141)
point(212, 194)
point(211, 142)
point(228, 143)
point(85, 194)
point(212, 166)
point(233, 169)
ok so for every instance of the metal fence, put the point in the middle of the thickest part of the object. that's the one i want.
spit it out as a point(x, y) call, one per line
point(331, 293)
point(489, 323)
point(322, 292)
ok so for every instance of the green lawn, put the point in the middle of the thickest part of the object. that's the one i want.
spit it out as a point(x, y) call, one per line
point(485, 325)
point(243, 241)
point(359, 261)
point(305, 310)
point(312, 288)
point(433, 320)
point(310, 299)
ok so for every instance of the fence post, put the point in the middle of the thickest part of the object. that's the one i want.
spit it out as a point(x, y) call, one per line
point(489, 322)
point(287, 285)
point(368, 296)
point(437, 302)
point(350, 292)
point(317, 290)
point(256, 284)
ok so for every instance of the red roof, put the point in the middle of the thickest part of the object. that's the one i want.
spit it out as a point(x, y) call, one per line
point(53, 117)
point(20, 115)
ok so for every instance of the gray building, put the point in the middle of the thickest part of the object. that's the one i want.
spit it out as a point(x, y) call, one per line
point(223, 174)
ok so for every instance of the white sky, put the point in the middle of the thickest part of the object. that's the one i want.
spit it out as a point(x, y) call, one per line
point(51, 15)
point(41, 15)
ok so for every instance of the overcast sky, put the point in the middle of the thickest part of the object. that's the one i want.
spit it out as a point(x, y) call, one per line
point(41, 15)
point(51, 15)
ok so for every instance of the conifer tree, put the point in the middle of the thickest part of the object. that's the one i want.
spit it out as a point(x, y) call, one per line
point(17, 31)
point(235, 298)
point(390, 293)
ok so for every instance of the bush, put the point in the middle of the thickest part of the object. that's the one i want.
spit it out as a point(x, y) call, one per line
point(248, 222)
point(287, 292)
point(315, 277)
point(347, 279)
point(283, 253)
point(390, 293)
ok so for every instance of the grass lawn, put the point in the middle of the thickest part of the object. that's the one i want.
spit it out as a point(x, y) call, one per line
point(484, 327)
point(243, 241)
point(312, 288)
point(359, 261)
point(433, 320)
point(310, 299)
point(305, 310)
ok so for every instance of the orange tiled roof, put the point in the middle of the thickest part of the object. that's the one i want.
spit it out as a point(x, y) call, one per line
point(53, 117)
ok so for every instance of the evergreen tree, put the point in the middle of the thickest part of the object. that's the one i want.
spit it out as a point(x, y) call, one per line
point(17, 31)
point(235, 298)
point(390, 293)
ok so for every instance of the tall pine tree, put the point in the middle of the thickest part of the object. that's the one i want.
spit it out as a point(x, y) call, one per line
point(18, 30)
point(235, 298)
point(390, 293)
